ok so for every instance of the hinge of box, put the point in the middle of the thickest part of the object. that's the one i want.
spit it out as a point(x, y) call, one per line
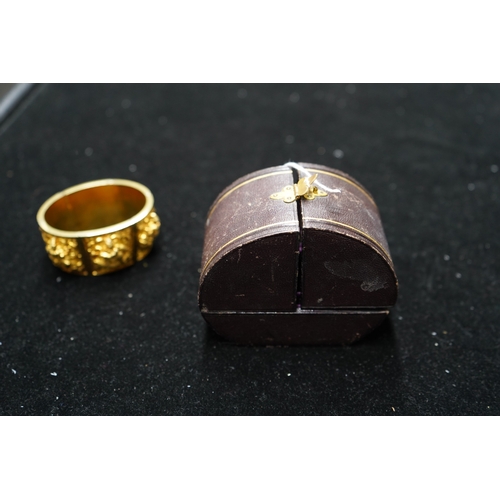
point(302, 189)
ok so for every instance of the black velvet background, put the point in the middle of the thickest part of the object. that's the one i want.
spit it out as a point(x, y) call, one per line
point(82, 346)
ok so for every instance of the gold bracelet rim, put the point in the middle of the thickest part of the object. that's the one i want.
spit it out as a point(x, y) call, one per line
point(101, 231)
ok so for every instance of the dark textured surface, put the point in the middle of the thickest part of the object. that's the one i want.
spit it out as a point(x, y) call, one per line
point(310, 327)
point(244, 228)
point(339, 271)
point(135, 343)
point(344, 258)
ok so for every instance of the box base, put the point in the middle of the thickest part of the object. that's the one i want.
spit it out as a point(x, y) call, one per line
point(305, 327)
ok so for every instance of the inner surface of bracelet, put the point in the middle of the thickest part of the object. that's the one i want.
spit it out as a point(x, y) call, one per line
point(95, 208)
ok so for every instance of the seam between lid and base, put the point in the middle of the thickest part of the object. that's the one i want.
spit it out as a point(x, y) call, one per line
point(312, 312)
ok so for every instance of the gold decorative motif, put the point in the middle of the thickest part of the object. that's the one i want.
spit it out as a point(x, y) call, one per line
point(106, 253)
point(64, 253)
point(111, 251)
point(304, 188)
point(147, 230)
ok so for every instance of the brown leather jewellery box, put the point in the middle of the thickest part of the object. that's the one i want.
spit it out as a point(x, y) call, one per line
point(295, 254)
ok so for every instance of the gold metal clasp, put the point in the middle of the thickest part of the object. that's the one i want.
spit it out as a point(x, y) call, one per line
point(304, 188)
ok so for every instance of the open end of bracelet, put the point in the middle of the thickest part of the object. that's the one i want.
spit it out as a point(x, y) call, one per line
point(95, 207)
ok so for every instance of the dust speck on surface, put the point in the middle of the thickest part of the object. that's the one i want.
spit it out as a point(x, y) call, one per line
point(446, 257)
point(88, 151)
point(130, 295)
point(436, 344)
point(434, 334)
point(132, 167)
point(242, 93)
point(458, 275)
point(494, 168)
point(54, 374)
point(126, 103)
point(338, 153)
point(447, 371)
point(471, 186)
point(58, 279)
point(289, 139)
point(120, 313)
point(294, 97)
point(14, 371)
point(288, 374)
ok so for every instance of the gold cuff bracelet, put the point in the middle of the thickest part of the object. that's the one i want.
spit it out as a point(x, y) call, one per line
point(99, 227)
